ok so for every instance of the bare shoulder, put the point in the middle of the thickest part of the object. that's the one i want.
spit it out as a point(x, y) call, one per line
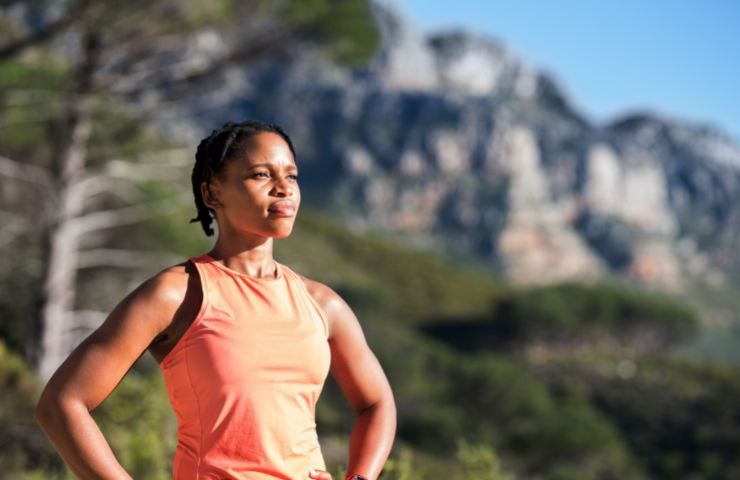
point(322, 293)
point(153, 304)
point(339, 314)
point(170, 284)
point(170, 291)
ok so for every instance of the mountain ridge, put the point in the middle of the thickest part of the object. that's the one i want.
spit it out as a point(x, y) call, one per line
point(449, 141)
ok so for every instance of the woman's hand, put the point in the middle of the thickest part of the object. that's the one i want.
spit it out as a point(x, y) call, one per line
point(320, 474)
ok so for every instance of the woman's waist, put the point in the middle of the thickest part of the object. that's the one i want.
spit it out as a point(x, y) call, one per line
point(248, 461)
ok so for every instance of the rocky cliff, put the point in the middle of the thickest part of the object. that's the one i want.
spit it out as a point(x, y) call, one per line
point(450, 142)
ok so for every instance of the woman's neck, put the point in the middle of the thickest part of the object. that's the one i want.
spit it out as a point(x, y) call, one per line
point(253, 258)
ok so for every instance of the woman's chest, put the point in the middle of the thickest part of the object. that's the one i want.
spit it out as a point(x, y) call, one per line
point(273, 345)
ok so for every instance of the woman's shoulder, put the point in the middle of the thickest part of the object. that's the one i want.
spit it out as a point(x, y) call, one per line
point(343, 324)
point(170, 285)
point(318, 290)
point(165, 296)
point(328, 299)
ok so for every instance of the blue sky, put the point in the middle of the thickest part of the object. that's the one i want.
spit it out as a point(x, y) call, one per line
point(677, 58)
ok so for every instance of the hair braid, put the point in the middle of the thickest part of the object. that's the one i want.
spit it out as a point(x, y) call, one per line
point(215, 150)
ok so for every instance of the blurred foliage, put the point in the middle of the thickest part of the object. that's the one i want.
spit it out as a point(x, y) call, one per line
point(400, 466)
point(346, 29)
point(679, 417)
point(571, 316)
point(719, 340)
point(140, 426)
point(480, 462)
point(24, 450)
point(31, 93)
point(378, 274)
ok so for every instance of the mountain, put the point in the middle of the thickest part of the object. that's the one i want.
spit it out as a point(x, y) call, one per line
point(448, 141)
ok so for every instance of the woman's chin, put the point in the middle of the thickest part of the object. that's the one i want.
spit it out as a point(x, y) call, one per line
point(281, 235)
point(282, 232)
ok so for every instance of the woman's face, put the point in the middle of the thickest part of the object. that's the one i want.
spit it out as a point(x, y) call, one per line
point(257, 191)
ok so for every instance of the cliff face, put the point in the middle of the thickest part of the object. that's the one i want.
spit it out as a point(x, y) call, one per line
point(453, 143)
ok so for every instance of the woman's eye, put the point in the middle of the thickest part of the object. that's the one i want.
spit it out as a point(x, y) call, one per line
point(257, 174)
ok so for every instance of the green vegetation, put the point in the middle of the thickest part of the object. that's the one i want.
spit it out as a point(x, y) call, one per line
point(678, 417)
point(480, 462)
point(24, 450)
point(573, 316)
point(142, 434)
point(344, 29)
point(375, 273)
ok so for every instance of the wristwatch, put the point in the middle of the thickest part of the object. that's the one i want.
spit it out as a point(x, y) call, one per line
point(355, 477)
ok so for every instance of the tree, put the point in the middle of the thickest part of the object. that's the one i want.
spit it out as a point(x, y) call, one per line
point(118, 51)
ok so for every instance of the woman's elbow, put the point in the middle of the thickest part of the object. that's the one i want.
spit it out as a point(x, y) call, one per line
point(50, 408)
point(46, 410)
point(384, 406)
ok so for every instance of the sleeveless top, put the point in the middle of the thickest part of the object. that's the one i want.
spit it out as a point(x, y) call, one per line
point(245, 376)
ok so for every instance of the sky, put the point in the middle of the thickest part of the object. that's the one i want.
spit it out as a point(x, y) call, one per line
point(676, 58)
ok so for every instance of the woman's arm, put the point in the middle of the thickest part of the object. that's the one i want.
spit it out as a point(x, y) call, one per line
point(96, 366)
point(361, 378)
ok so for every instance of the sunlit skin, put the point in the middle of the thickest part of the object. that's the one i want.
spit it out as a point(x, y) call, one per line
point(154, 316)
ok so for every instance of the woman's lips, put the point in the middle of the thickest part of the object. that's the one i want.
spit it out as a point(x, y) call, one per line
point(283, 210)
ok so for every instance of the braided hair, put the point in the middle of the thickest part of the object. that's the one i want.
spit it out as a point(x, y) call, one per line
point(213, 153)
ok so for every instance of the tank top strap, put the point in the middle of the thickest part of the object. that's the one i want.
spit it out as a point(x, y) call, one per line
point(300, 285)
point(201, 266)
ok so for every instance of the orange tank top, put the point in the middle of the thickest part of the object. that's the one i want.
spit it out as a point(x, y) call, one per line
point(245, 376)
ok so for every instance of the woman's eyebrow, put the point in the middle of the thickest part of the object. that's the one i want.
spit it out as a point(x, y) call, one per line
point(290, 167)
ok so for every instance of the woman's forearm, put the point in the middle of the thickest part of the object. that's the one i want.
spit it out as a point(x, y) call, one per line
point(80, 442)
point(371, 439)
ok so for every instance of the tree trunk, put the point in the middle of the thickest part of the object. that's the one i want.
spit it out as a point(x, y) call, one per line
point(61, 237)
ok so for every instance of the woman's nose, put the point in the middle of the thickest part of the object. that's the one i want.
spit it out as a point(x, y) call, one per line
point(282, 185)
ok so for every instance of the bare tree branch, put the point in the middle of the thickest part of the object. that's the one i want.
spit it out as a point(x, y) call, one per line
point(119, 173)
point(169, 170)
point(26, 172)
point(97, 184)
point(108, 257)
point(124, 216)
point(178, 75)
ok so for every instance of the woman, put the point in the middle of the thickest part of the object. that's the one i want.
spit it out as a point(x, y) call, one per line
point(244, 343)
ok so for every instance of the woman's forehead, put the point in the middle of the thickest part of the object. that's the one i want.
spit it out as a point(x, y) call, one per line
point(266, 149)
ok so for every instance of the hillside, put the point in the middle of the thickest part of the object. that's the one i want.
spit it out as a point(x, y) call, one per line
point(449, 142)
point(543, 411)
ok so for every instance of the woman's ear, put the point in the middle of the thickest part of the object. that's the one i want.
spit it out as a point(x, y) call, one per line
point(209, 193)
